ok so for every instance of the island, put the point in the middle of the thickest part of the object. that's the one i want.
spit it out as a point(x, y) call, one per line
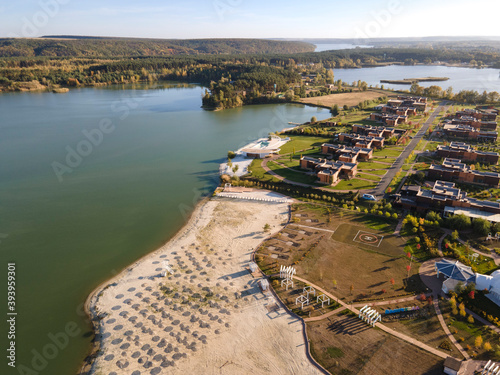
point(410, 81)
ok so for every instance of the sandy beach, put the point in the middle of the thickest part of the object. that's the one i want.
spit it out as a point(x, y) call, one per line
point(209, 316)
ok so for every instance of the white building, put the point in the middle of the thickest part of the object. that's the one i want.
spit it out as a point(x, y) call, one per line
point(491, 283)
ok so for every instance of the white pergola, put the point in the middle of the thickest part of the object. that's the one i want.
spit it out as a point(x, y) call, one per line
point(309, 290)
point(369, 315)
point(322, 298)
point(302, 299)
point(491, 368)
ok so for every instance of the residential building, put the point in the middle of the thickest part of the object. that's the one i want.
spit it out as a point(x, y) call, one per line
point(388, 119)
point(347, 154)
point(362, 141)
point(465, 152)
point(373, 131)
point(455, 170)
point(445, 197)
point(328, 171)
point(467, 131)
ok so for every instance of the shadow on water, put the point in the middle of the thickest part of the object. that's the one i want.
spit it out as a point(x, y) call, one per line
point(209, 178)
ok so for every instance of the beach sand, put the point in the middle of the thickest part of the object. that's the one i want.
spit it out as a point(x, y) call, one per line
point(209, 316)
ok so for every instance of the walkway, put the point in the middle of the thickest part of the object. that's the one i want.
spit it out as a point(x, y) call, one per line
point(429, 278)
point(493, 254)
point(452, 338)
point(397, 231)
point(378, 324)
point(313, 228)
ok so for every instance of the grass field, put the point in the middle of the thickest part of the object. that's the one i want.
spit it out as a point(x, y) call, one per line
point(353, 184)
point(345, 345)
point(293, 175)
point(388, 151)
point(378, 172)
point(368, 177)
point(466, 333)
point(373, 165)
point(300, 142)
point(350, 99)
point(384, 243)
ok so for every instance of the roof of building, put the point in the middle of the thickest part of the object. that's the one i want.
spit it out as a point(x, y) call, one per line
point(455, 270)
point(452, 363)
point(473, 213)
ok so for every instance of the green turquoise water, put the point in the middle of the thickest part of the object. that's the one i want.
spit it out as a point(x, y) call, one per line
point(129, 192)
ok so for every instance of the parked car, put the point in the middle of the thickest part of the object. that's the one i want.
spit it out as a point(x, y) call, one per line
point(368, 197)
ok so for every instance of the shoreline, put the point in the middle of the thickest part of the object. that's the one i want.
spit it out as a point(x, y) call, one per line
point(96, 344)
point(241, 328)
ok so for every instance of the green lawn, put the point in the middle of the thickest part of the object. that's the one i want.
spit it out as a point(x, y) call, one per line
point(291, 164)
point(292, 175)
point(368, 177)
point(353, 184)
point(373, 165)
point(300, 142)
point(379, 172)
point(388, 151)
point(483, 264)
point(406, 167)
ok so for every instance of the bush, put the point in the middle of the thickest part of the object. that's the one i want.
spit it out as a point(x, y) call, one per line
point(481, 226)
point(231, 154)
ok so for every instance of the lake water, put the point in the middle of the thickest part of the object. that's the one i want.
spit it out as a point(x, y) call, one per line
point(327, 47)
point(129, 190)
point(459, 78)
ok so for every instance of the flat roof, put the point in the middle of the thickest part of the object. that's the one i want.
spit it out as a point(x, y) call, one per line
point(473, 213)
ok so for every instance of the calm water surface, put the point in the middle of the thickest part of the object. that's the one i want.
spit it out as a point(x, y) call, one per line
point(126, 195)
point(459, 78)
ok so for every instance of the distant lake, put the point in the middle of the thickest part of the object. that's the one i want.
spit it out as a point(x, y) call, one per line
point(459, 78)
point(328, 47)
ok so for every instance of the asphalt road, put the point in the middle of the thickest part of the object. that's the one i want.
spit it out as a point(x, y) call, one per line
point(384, 183)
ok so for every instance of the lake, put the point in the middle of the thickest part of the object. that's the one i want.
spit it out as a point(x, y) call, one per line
point(459, 78)
point(94, 179)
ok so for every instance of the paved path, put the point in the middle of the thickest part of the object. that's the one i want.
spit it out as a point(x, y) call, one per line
point(452, 338)
point(493, 254)
point(429, 278)
point(384, 183)
point(378, 324)
point(397, 231)
point(313, 228)
point(441, 239)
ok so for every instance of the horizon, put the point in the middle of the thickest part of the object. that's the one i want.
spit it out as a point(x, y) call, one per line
point(408, 38)
point(223, 19)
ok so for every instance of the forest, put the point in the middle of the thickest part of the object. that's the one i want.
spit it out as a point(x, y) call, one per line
point(71, 46)
point(232, 79)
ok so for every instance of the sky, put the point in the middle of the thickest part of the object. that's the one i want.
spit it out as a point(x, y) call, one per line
point(250, 18)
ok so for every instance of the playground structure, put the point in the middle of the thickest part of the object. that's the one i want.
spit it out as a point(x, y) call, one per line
point(369, 315)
